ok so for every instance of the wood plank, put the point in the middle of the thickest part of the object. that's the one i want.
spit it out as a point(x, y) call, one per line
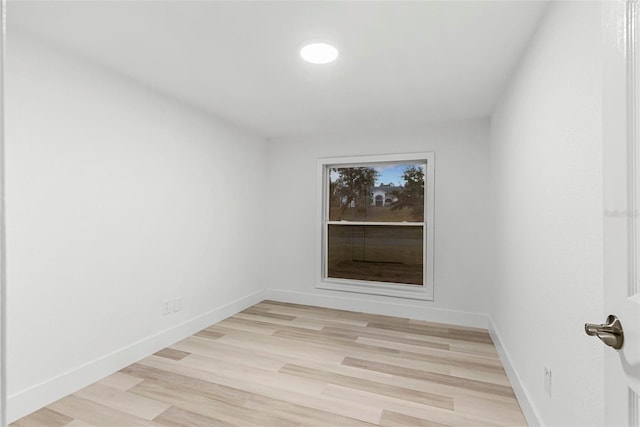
point(453, 334)
point(171, 353)
point(508, 411)
point(205, 405)
point(436, 355)
point(271, 344)
point(314, 314)
point(394, 419)
point(416, 410)
point(304, 415)
point(78, 423)
point(266, 313)
point(371, 386)
point(266, 328)
point(44, 417)
point(97, 414)
point(186, 383)
point(124, 401)
point(120, 381)
point(227, 353)
point(364, 333)
point(208, 334)
point(176, 417)
point(302, 391)
point(450, 380)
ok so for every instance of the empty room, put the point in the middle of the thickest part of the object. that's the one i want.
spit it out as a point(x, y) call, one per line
point(320, 213)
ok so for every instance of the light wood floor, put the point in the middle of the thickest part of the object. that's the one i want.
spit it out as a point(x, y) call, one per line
point(278, 364)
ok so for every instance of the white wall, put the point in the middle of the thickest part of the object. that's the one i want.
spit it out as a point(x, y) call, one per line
point(3, 270)
point(546, 160)
point(117, 199)
point(462, 235)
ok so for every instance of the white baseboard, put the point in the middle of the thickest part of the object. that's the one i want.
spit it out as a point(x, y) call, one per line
point(353, 303)
point(529, 410)
point(27, 401)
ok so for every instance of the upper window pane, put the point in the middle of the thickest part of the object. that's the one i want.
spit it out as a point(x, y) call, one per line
point(389, 192)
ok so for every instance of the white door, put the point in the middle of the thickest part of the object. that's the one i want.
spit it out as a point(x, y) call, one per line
point(621, 153)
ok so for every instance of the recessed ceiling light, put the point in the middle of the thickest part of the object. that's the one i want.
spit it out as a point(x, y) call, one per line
point(319, 53)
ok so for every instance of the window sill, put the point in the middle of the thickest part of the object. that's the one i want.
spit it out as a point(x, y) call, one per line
point(395, 290)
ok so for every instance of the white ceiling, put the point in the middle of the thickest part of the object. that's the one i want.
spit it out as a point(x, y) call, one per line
point(400, 64)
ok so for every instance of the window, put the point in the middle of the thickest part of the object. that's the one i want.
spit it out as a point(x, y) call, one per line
point(376, 225)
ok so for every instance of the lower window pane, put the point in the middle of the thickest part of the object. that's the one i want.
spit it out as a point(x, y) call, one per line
point(380, 253)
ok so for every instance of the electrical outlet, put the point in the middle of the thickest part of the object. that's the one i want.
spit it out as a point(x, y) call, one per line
point(177, 304)
point(547, 380)
point(166, 307)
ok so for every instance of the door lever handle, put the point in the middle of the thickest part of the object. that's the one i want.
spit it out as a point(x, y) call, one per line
point(610, 333)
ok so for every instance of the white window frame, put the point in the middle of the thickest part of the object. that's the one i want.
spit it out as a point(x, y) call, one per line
point(399, 290)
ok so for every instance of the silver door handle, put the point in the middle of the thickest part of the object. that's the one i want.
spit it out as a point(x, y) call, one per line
point(610, 333)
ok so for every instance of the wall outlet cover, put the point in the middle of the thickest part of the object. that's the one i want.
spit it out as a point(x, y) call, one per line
point(166, 307)
point(547, 380)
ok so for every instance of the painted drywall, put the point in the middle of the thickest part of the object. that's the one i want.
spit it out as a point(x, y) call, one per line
point(3, 270)
point(546, 162)
point(117, 199)
point(462, 235)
